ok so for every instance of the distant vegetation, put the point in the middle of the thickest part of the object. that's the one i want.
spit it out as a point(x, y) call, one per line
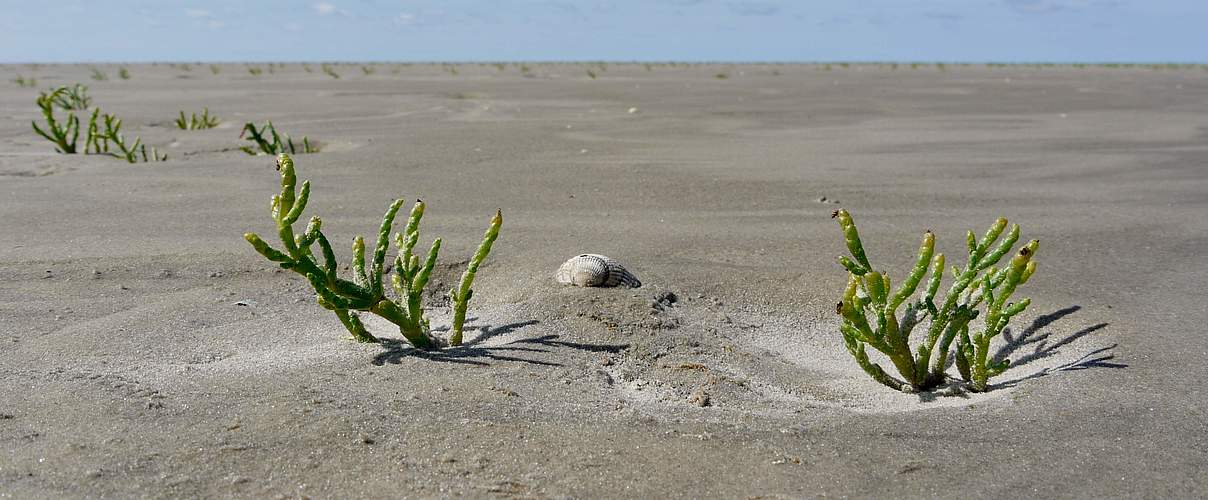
point(23, 82)
point(65, 134)
point(268, 141)
point(330, 71)
point(195, 121)
point(72, 98)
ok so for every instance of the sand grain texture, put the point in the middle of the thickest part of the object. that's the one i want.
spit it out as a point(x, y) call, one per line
point(148, 352)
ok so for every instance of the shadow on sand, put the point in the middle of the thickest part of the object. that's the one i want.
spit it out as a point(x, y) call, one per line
point(471, 352)
point(1042, 348)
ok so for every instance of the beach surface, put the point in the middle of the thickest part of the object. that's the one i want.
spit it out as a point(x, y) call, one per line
point(147, 351)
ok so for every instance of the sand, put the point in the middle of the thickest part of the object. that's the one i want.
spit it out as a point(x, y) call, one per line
point(147, 351)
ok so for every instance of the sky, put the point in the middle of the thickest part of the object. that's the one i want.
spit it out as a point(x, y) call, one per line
point(614, 30)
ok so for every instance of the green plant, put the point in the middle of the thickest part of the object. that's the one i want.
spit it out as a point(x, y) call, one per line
point(23, 82)
point(73, 98)
point(123, 73)
point(868, 295)
point(279, 143)
point(195, 121)
point(254, 70)
point(96, 142)
point(63, 135)
point(721, 76)
point(368, 70)
point(591, 74)
point(329, 71)
point(462, 294)
point(99, 75)
point(215, 69)
point(366, 293)
point(132, 151)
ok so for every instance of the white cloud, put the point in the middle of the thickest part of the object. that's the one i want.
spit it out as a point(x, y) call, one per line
point(327, 9)
point(198, 13)
point(405, 18)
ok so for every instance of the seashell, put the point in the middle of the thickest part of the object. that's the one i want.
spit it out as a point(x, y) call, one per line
point(591, 269)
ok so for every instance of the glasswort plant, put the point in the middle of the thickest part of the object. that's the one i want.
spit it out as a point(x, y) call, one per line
point(195, 121)
point(23, 82)
point(63, 135)
point(279, 143)
point(870, 308)
point(366, 293)
point(73, 98)
point(113, 133)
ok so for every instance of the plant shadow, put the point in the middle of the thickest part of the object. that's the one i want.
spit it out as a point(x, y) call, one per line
point(472, 352)
point(1042, 348)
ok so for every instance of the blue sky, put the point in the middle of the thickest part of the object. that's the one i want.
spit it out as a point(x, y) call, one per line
point(622, 30)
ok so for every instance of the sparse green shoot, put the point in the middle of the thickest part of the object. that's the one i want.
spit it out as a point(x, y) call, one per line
point(24, 82)
point(131, 151)
point(330, 71)
point(195, 121)
point(63, 135)
point(73, 98)
point(268, 141)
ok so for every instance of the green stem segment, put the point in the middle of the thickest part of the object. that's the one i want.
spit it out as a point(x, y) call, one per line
point(462, 294)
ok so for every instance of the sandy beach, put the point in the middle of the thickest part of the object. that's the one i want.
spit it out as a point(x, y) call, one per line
point(147, 351)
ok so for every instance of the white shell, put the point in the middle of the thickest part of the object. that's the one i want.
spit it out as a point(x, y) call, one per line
point(591, 269)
